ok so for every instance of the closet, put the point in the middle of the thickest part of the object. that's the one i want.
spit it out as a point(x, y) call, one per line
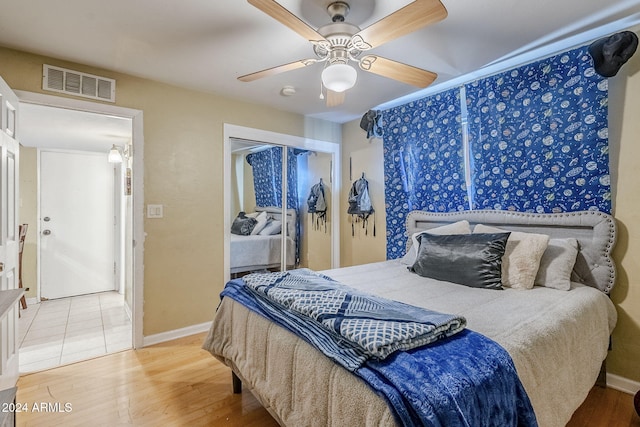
point(272, 180)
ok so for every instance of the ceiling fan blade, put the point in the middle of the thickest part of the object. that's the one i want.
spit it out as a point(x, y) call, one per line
point(410, 18)
point(282, 15)
point(276, 70)
point(334, 98)
point(397, 71)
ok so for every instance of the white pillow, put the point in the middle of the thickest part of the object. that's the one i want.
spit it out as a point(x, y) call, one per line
point(460, 227)
point(557, 264)
point(262, 221)
point(252, 214)
point(273, 227)
point(521, 259)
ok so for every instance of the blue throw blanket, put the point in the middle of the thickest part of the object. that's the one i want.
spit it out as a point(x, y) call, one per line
point(464, 380)
point(348, 325)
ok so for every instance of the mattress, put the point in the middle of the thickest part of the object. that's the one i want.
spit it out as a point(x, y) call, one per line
point(557, 340)
point(249, 253)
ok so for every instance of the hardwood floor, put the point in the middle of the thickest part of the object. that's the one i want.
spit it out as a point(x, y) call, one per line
point(170, 384)
point(179, 384)
point(606, 407)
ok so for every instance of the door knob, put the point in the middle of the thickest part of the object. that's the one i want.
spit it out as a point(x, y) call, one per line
point(46, 232)
point(1, 267)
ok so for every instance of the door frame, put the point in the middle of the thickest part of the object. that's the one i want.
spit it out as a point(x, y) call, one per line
point(137, 171)
point(278, 139)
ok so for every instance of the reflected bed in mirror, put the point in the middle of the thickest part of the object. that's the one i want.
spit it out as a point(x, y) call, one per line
point(262, 251)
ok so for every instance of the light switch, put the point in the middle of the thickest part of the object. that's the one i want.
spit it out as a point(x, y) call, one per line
point(154, 211)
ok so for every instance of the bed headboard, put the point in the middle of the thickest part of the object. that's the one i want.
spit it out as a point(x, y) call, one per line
point(276, 213)
point(595, 232)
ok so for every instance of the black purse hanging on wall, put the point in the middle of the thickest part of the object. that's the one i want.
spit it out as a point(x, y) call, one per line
point(360, 207)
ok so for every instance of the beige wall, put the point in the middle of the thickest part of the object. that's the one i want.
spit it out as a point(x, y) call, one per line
point(365, 157)
point(183, 137)
point(316, 242)
point(234, 203)
point(249, 195)
point(624, 141)
point(29, 216)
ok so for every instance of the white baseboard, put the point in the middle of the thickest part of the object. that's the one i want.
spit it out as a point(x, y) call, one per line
point(31, 301)
point(622, 384)
point(176, 333)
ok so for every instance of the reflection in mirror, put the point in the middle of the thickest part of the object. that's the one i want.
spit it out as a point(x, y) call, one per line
point(260, 238)
point(257, 177)
point(316, 221)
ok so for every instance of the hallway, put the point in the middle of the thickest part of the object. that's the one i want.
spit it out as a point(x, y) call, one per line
point(62, 331)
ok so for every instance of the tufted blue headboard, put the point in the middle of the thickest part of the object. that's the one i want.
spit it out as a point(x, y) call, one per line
point(595, 232)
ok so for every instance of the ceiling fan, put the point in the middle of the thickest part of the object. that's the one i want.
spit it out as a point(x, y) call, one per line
point(340, 43)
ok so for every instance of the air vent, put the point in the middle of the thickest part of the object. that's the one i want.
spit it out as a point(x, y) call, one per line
point(75, 83)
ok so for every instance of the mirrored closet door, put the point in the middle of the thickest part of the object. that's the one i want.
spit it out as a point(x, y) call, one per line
point(316, 224)
point(264, 224)
point(269, 182)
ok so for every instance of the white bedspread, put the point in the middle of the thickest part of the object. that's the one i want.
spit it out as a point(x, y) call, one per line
point(256, 252)
point(557, 339)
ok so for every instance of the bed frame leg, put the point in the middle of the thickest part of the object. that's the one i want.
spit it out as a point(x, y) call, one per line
point(237, 383)
point(602, 376)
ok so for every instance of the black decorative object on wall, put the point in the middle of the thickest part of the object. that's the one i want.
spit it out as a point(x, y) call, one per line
point(611, 53)
point(370, 123)
point(360, 207)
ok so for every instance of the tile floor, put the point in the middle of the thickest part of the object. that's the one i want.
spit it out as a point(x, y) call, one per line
point(67, 330)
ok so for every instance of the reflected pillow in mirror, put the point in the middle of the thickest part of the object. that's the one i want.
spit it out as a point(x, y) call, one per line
point(260, 224)
point(273, 227)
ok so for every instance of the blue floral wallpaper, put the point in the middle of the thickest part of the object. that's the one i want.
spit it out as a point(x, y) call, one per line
point(531, 139)
point(267, 181)
point(423, 162)
point(267, 177)
point(539, 139)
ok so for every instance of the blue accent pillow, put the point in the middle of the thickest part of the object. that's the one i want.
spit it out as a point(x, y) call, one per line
point(473, 260)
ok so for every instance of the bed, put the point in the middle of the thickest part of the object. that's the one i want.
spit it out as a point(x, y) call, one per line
point(262, 252)
point(557, 339)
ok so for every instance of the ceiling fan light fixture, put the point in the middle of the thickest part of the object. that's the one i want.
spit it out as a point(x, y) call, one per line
point(339, 77)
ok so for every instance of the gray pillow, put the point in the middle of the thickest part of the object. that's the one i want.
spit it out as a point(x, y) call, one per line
point(460, 227)
point(273, 227)
point(243, 225)
point(557, 264)
point(473, 260)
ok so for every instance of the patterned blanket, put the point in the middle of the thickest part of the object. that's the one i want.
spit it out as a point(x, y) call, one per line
point(353, 325)
point(464, 380)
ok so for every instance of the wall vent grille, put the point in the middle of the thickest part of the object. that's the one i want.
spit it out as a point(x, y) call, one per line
point(75, 83)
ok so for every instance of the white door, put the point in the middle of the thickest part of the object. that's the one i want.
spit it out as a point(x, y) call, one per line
point(76, 224)
point(8, 233)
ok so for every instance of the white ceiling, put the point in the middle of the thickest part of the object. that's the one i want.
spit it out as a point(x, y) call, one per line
point(48, 127)
point(206, 44)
